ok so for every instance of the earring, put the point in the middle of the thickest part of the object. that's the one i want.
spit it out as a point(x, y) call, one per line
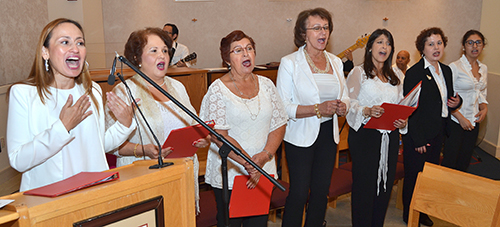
point(140, 66)
point(228, 66)
point(370, 51)
point(47, 65)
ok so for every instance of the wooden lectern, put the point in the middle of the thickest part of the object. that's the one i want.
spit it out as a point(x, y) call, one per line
point(137, 185)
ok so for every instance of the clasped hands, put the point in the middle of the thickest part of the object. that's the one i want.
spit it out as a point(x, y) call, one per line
point(329, 108)
point(260, 159)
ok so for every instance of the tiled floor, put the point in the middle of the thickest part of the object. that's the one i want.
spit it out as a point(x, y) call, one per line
point(341, 216)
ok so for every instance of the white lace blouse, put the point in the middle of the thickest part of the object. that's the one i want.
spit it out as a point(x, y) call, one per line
point(365, 92)
point(248, 121)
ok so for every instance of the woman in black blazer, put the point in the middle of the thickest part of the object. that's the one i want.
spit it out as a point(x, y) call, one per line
point(426, 126)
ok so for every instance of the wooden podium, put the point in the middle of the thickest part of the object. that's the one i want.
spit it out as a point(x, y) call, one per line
point(136, 185)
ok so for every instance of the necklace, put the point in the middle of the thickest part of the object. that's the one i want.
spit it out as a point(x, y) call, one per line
point(316, 69)
point(245, 101)
point(161, 85)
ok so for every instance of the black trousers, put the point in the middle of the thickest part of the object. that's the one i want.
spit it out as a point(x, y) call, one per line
point(459, 146)
point(251, 221)
point(368, 208)
point(310, 170)
point(414, 162)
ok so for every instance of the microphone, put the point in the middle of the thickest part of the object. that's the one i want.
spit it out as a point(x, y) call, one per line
point(111, 77)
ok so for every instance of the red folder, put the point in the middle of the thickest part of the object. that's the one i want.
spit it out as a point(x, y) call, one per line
point(250, 202)
point(391, 113)
point(182, 140)
point(74, 183)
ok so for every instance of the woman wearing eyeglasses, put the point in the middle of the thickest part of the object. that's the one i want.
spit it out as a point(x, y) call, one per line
point(469, 80)
point(249, 113)
point(312, 85)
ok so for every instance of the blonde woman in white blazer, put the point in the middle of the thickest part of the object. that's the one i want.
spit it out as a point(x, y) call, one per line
point(56, 127)
point(312, 86)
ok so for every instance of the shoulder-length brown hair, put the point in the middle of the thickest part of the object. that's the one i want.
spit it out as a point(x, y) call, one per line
point(301, 24)
point(42, 79)
point(368, 65)
point(139, 39)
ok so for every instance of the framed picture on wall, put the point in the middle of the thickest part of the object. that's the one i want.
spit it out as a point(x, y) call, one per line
point(148, 213)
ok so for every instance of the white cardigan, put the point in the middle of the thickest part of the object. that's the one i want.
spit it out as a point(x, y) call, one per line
point(36, 139)
point(296, 86)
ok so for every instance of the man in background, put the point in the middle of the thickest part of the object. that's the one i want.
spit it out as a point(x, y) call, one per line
point(402, 60)
point(180, 51)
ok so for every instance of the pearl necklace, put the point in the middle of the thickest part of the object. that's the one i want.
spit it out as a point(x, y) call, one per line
point(245, 101)
point(316, 69)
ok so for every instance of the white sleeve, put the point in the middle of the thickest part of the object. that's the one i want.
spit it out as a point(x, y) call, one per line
point(285, 86)
point(213, 107)
point(25, 149)
point(355, 115)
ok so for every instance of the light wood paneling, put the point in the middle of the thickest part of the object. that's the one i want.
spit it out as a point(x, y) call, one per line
point(136, 184)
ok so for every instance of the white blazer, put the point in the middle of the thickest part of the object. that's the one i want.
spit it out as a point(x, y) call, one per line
point(36, 139)
point(296, 86)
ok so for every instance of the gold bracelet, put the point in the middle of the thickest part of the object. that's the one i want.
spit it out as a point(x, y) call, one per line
point(269, 155)
point(318, 114)
point(135, 149)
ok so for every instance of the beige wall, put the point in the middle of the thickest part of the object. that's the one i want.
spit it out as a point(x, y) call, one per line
point(266, 22)
point(21, 23)
point(491, 56)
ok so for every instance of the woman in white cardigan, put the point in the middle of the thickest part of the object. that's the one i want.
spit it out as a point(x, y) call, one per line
point(312, 86)
point(150, 50)
point(55, 127)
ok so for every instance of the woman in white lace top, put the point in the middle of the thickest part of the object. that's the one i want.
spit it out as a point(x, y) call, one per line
point(374, 152)
point(249, 113)
point(470, 77)
point(149, 50)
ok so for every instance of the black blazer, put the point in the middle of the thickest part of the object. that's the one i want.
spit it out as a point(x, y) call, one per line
point(426, 122)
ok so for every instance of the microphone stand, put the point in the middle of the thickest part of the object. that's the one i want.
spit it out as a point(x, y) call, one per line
point(223, 150)
point(160, 164)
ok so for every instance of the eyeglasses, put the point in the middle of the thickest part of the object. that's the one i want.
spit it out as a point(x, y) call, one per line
point(471, 42)
point(318, 28)
point(170, 33)
point(239, 50)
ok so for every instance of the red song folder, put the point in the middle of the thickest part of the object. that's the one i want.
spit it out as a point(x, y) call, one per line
point(74, 183)
point(250, 202)
point(391, 113)
point(182, 140)
point(394, 112)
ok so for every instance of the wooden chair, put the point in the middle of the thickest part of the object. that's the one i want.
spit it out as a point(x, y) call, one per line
point(341, 182)
point(343, 145)
point(208, 208)
point(459, 198)
point(278, 199)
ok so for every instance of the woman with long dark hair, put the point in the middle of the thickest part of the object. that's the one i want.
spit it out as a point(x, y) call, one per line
point(374, 152)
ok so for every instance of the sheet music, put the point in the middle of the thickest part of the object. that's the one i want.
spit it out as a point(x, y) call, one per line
point(411, 99)
point(4, 202)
